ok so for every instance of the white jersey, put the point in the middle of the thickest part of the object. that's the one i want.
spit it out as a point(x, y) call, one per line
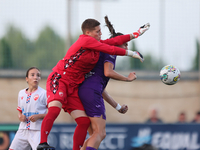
point(30, 104)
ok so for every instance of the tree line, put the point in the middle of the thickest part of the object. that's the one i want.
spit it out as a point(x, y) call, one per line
point(19, 52)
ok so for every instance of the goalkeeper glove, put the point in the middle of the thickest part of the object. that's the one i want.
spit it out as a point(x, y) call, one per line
point(141, 30)
point(135, 54)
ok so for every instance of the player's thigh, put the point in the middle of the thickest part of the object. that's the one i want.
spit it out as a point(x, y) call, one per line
point(78, 113)
point(34, 138)
point(92, 101)
point(74, 106)
point(90, 130)
point(20, 141)
point(98, 124)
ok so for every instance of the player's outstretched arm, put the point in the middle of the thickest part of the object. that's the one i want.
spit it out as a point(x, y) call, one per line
point(122, 109)
point(140, 31)
point(111, 73)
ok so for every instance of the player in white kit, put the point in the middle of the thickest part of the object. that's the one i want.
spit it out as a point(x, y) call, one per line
point(32, 107)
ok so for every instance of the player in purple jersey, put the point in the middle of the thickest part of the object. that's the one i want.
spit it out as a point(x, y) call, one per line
point(92, 92)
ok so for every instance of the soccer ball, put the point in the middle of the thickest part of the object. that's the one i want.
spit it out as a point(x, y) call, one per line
point(170, 74)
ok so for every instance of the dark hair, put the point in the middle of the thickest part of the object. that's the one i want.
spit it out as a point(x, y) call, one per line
point(31, 69)
point(89, 24)
point(111, 29)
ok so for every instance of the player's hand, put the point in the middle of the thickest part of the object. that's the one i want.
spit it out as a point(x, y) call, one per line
point(33, 118)
point(132, 76)
point(138, 55)
point(22, 118)
point(135, 54)
point(123, 109)
point(143, 28)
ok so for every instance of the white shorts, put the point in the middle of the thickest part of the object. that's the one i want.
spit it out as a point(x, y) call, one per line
point(25, 140)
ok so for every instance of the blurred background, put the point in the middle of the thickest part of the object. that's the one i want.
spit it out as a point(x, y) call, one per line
point(38, 33)
point(45, 29)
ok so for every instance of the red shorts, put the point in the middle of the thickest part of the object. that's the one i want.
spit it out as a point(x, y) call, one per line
point(60, 89)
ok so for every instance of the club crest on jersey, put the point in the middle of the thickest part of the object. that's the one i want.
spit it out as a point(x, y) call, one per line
point(22, 97)
point(61, 94)
point(36, 97)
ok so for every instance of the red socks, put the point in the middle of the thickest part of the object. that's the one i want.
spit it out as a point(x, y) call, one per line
point(48, 121)
point(80, 132)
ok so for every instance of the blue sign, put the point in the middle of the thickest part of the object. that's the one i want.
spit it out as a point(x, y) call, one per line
point(129, 136)
point(122, 136)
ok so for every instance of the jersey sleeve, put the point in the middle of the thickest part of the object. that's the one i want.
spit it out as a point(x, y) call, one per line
point(118, 40)
point(110, 58)
point(93, 44)
point(19, 105)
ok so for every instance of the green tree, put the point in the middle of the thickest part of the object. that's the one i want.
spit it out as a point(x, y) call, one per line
point(149, 63)
point(196, 59)
point(19, 46)
point(6, 53)
point(18, 52)
point(49, 49)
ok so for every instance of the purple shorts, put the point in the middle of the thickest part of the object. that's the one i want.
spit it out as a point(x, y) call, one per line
point(92, 101)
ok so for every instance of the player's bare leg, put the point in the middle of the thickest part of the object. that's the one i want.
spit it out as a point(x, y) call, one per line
point(90, 131)
point(83, 123)
point(99, 133)
point(54, 108)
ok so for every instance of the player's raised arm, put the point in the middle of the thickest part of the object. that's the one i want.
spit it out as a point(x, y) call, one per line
point(133, 35)
point(111, 73)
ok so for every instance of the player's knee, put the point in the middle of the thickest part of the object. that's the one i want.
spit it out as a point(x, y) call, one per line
point(103, 134)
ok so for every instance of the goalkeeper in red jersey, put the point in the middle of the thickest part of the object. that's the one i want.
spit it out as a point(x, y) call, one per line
point(62, 84)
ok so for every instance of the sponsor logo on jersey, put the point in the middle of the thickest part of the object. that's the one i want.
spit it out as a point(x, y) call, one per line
point(112, 56)
point(98, 106)
point(36, 97)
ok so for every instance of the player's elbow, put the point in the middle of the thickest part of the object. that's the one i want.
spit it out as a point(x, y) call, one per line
point(108, 73)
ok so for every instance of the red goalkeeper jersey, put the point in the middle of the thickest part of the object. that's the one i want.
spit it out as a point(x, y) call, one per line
point(82, 56)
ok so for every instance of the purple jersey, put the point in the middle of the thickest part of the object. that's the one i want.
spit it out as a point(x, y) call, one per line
point(96, 78)
point(90, 91)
